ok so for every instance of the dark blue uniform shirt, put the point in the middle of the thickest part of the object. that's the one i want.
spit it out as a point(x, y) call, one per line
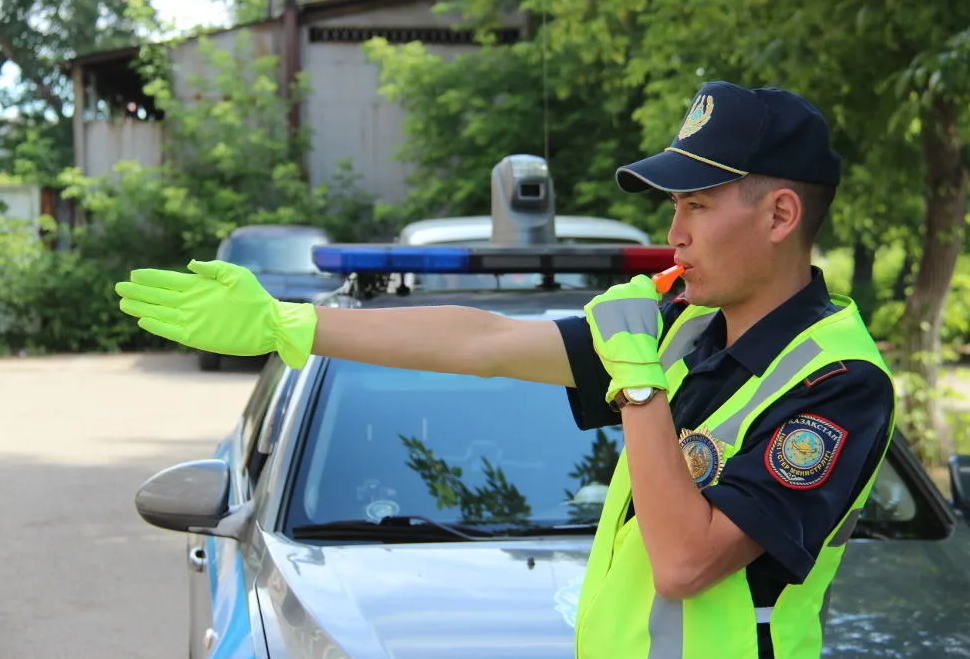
point(848, 405)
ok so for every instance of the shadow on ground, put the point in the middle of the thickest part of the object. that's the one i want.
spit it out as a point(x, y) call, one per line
point(164, 363)
point(83, 575)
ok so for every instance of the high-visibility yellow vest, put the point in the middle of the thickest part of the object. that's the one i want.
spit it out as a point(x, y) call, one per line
point(620, 615)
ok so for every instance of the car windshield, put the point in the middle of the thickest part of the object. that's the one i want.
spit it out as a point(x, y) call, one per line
point(456, 449)
point(290, 253)
point(519, 281)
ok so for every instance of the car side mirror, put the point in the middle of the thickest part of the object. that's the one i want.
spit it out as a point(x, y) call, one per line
point(192, 497)
point(960, 482)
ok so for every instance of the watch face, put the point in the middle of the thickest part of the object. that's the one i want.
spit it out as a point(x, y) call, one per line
point(639, 394)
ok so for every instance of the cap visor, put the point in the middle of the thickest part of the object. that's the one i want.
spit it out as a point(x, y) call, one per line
point(670, 171)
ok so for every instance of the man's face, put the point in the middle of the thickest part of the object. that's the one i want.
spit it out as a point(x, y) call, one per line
point(724, 243)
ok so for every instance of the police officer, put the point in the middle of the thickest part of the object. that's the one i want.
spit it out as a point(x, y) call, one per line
point(756, 408)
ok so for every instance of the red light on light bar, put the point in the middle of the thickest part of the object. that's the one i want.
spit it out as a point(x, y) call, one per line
point(647, 260)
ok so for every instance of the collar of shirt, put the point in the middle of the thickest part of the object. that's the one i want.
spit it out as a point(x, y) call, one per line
point(757, 347)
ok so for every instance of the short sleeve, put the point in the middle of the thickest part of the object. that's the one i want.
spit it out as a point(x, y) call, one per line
point(805, 461)
point(588, 399)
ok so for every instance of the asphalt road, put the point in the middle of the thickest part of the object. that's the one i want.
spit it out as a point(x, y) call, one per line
point(82, 575)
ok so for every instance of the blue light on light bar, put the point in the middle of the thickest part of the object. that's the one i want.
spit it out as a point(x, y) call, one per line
point(359, 258)
point(549, 259)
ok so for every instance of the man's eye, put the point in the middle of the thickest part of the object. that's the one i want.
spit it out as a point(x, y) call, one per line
point(694, 206)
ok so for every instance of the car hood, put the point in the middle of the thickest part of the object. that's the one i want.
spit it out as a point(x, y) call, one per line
point(297, 287)
point(512, 599)
point(906, 600)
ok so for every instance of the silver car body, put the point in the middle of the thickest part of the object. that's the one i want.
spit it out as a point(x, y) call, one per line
point(478, 229)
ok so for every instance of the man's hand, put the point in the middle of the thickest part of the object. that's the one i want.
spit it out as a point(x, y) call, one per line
point(222, 308)
point(625, 322)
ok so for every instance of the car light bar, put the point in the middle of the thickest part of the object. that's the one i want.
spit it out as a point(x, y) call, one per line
point(591, 259)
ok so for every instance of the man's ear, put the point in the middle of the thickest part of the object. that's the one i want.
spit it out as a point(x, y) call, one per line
point(786, 214)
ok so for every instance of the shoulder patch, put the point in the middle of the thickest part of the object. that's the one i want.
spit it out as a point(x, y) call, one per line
point(803, 450)
point(825, 373)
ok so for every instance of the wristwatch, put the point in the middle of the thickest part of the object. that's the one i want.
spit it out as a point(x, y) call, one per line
point(633, 396)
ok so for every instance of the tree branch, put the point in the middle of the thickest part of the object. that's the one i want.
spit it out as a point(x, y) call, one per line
point(53, 100)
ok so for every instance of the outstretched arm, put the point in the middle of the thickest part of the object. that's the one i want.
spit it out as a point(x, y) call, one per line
point(222, 308)
point(446, 339)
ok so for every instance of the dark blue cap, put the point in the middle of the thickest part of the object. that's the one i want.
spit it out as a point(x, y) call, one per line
point(729, 132)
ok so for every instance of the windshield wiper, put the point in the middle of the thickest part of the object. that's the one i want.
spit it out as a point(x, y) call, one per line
point(391, 528)
point(566, 528)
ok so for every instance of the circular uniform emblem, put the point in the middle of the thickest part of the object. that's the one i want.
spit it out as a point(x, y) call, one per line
point(803, 449)
point(704, 456)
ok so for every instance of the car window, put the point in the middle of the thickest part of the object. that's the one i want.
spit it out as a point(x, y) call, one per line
point(269, 431)
point(899, 506)
point(890, 499)
point(256, 408)
point(284, 253)
point(450, 447)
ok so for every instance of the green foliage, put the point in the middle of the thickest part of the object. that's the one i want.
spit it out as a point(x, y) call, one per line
point(38, 36)
point(56, 300)
point(230, 160)
point(247, 11)
point(955, 328)
point(465, 113)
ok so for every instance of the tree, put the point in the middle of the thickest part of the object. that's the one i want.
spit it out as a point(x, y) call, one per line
point(248, 11)
point(38, 36)
point(893, 78)
point(464, 114)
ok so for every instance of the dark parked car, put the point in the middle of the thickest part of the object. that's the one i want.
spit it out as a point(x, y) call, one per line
point(280, 257)
point(372, 513)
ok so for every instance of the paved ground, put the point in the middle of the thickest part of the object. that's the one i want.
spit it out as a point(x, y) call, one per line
point(82, 575)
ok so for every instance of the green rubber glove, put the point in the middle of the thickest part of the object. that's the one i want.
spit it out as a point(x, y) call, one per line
point(625, 322)
point(222, 308)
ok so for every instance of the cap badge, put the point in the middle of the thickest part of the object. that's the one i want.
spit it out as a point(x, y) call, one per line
point(700, 114)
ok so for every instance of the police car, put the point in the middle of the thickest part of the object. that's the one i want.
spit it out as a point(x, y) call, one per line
point(363, 512)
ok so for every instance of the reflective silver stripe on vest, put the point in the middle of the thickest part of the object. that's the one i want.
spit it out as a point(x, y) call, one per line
point(667, 627)
point(637, 316)
point(683, 341)
point(786, 369)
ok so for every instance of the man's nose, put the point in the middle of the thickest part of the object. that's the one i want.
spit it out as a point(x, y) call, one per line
point(677, 235)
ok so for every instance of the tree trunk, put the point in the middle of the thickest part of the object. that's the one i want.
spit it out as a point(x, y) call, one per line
point(946, 207)
point(902, 278)
point(863, 288)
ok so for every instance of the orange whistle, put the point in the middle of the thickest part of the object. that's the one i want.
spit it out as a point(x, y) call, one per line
point(664, 280)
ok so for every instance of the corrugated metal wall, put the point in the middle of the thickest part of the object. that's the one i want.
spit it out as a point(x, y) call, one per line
point(189, 62)
point(347, 114)
point(110, 142)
